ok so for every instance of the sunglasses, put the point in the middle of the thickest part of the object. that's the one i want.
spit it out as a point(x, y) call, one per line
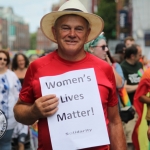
point(3, 59)
point(103, 47)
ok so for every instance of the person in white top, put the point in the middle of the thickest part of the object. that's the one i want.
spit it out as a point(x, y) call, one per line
point(9, 91)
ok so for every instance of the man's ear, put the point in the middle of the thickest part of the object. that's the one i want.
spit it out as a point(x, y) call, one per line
point(87, 33)
point(54, 32)
point(132, 56)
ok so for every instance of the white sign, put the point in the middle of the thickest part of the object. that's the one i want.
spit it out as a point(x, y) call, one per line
point(3, 124)
point(79, 122)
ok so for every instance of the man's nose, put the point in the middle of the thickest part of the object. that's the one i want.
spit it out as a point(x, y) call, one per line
point(72, 33)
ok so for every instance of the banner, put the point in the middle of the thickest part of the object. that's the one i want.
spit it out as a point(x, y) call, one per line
point(79, 122)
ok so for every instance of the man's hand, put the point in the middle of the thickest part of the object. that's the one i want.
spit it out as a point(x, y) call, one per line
point(108, 60)
point(130, 88)
point(45, 106)
point(42, 107)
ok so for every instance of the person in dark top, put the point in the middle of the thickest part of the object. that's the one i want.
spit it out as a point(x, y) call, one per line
point(132, 69)
point(20, 64)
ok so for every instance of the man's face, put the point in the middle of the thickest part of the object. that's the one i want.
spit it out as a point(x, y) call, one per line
point(129, 43)
point(71, 33)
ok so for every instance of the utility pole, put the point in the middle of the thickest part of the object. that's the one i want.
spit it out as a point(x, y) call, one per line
point(119, 6)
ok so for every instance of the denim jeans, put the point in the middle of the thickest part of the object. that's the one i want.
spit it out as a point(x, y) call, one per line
point(5, 141)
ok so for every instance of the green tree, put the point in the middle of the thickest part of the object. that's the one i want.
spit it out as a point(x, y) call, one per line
point(107, 11)
point(33, 41)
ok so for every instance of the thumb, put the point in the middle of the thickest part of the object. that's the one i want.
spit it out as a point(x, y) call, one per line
point(108, 60)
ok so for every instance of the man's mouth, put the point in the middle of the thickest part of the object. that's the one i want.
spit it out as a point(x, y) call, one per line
point(71, 42)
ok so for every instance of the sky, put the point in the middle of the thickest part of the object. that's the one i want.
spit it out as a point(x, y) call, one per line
point(31, 10)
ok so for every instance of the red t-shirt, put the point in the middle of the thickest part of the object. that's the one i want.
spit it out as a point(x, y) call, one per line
point(51, 65)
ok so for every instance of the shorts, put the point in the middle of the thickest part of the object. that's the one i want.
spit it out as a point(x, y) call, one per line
point(129, 127)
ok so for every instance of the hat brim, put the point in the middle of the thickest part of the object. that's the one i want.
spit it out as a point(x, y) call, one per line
point(47, 22)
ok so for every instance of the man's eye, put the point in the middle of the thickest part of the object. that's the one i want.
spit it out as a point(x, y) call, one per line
point(65, 28)
point(79, 29)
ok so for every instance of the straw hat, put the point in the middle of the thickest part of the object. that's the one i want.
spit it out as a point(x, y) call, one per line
point(72, 7)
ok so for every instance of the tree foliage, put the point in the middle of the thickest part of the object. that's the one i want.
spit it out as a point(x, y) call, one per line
point(107, 11)
point(33, 41)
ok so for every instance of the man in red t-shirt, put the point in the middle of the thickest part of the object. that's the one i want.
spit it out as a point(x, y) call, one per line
point(70, 27)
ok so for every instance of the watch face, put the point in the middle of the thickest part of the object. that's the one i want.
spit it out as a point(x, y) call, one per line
point(3, 124)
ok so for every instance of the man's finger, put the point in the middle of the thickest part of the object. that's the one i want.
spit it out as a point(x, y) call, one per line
point(47, 97)
point(51, 107)
point(49, 102)
point(47, 114)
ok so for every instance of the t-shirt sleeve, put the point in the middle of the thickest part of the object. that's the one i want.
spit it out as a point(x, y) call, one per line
point(26, 94)
point(124, 72)
point(112, 99)
point(120, 72)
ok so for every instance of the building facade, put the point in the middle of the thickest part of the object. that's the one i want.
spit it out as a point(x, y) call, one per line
point(14, 31)
point(124, 19)
point(141, 25)
point(42, 42)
